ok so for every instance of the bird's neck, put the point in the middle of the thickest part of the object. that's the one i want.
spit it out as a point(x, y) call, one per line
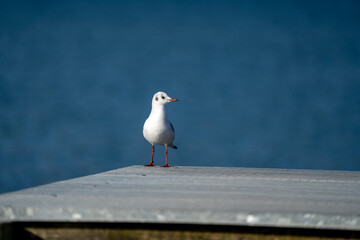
point(158, 111)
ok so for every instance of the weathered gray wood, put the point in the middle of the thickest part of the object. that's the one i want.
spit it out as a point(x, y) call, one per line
point(196, 195)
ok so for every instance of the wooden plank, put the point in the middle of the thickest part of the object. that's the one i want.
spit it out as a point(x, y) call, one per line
point(89, 234)
point(52, 231)
point(6, 231)
point(196, 195)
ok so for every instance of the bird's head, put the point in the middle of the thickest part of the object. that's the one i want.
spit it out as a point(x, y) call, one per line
point(161, 98)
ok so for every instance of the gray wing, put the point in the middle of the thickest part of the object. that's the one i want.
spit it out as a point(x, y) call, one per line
point(172, 127)
point(173, 130)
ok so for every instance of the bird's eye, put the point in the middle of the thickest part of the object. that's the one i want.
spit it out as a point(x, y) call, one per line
point(162, 97)
point(156, 98)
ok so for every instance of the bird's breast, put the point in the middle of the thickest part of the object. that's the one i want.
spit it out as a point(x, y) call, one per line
point(158, 131)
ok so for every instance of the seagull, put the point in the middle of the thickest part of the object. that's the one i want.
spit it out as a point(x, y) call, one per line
point(157, 128)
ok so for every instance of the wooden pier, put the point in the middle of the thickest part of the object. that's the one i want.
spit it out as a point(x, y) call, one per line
point(188, 203)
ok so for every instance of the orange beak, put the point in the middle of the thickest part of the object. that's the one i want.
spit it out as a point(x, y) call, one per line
point(173, 100)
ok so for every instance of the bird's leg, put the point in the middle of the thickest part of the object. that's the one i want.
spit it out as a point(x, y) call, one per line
point(166, 165)
point(151, 164)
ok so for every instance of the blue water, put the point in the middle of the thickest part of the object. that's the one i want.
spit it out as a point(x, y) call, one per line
point(273, 84)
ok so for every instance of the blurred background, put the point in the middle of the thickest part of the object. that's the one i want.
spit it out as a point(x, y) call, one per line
point(266, 84)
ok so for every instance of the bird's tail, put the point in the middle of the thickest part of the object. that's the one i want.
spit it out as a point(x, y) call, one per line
point(173, 146)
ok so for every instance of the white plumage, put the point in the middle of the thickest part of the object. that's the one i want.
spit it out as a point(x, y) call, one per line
point(157, 128)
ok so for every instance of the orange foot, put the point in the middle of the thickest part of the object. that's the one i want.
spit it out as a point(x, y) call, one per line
point(150, 165)
point(166, 165)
